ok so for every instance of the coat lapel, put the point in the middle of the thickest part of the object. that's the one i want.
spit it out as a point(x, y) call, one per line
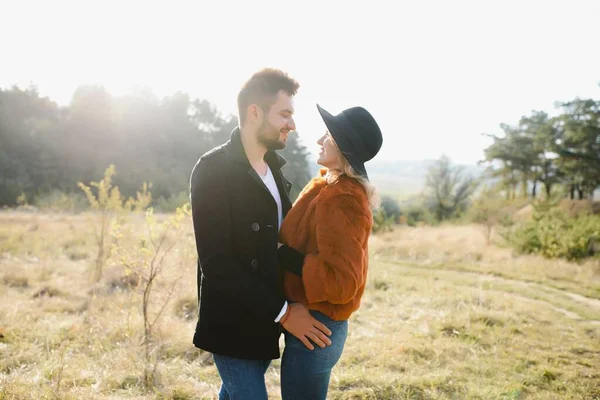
point(274, 161)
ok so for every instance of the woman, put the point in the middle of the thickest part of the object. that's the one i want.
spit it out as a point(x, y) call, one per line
point(323, 249)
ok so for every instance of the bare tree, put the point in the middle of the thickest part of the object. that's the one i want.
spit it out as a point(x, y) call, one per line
point(448, 189)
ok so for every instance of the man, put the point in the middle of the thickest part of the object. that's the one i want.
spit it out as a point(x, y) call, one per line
point(239, 198)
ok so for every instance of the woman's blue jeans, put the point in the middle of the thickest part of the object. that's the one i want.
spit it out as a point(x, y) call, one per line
point(305, 373)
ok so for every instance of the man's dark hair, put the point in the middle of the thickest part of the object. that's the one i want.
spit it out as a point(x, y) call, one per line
point(262, 88)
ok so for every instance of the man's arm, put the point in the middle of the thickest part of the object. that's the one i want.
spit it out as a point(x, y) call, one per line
point(211, 216)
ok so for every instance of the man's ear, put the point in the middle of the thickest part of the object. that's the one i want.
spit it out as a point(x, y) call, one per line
point(255, 113)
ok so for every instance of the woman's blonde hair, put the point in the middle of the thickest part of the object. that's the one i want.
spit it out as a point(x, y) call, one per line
point(333, 175)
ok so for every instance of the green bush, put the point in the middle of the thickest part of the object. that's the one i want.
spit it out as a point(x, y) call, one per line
point(391, 207)
point(418, 214)
point(554, 235)
point(382, 222)
point(171, 203)
point(490, 211)
point(57, 201)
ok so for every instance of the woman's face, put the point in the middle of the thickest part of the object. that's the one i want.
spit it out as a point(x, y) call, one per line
point(328, 156)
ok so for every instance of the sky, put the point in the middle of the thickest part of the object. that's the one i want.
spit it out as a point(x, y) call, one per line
point(434, 74)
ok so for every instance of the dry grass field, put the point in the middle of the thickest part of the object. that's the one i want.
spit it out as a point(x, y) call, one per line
point(444, 317)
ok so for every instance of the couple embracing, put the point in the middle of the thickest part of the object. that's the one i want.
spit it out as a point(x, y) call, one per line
point(267, 267)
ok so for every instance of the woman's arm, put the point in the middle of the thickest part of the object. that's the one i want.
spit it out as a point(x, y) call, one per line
point(336, 272)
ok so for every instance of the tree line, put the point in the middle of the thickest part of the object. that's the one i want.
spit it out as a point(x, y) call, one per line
point(561, 151)
point(45, 147)
point(559, 155)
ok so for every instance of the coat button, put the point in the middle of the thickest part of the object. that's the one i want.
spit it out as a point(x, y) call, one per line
point(254, 263)
point(255, 227)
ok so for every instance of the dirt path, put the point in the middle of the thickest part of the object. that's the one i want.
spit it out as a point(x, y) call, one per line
point(488, 277)
point(594, 303)
point(545, 303)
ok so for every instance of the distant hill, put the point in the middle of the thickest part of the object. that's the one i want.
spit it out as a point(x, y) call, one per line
point(405, 177)
point(402, 178)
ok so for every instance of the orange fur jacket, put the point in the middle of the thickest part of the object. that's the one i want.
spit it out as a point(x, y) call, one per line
point(330, 224)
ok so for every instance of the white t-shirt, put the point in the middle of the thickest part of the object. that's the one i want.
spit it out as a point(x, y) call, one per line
point(269, 181)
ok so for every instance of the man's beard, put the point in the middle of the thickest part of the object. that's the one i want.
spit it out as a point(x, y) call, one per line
point(268, 136)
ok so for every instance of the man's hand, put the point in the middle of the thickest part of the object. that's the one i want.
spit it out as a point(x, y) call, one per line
point(301, 324)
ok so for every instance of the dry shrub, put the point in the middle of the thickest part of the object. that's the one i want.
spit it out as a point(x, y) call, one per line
point(120, 279)
point(577, 208)
point(16, 281)
point(186, 308)
point(47, 291)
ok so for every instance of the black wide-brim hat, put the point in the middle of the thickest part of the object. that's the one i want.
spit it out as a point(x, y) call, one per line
point(357, 135)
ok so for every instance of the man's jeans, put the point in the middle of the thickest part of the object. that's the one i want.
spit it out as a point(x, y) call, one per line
point(305, 373)
point(242, 379)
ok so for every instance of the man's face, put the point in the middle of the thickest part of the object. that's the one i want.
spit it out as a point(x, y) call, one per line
point(277, 123)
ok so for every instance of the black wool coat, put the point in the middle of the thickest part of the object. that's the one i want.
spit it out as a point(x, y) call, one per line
point(236, 229)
